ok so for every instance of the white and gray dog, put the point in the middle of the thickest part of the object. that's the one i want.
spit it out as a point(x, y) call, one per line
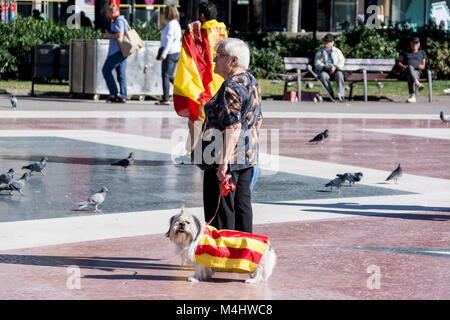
point(186, 231)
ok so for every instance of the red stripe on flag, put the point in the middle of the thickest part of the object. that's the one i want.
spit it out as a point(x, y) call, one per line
point(200, 53)
point(185, 107)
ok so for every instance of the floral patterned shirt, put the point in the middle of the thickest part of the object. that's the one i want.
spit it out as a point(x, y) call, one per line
point(238, 101)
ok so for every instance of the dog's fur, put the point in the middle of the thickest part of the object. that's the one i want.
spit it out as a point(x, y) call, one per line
point(185, 232)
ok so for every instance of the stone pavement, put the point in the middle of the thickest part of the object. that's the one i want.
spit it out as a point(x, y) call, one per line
point(376, 240)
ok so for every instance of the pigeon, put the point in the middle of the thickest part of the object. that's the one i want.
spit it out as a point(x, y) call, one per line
point(320, 137)
point(7, 177)
point(351, 177)
point(37, 166)
point(337, 182)
point(95, 200)
point(396, 174)
point(13, 101)
point(444, 118)
point(125, 163)
point(17, 185)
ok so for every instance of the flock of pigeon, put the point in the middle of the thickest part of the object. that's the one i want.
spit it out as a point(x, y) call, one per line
point(357, 176)
point(7, 182)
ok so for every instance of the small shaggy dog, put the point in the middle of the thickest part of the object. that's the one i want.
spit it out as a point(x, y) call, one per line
point(210, 249)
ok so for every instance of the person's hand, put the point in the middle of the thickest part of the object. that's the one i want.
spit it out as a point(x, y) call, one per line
point(332, 69)
point(420, 67)
point(222, 172)
point(162, 58)
point(106, 34)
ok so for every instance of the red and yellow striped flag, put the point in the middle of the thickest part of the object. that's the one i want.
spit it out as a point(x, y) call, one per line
point(230, 250)
point(195, 82)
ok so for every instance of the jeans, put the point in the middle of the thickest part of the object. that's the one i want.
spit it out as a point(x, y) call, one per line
point(119, 63)
point(168, 73)
point(235, 210)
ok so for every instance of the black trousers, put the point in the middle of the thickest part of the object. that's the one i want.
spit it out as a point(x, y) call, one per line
point(235, 210)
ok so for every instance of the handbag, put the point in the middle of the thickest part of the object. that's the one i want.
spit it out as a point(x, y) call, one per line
point(160, 51)
point(130, 43)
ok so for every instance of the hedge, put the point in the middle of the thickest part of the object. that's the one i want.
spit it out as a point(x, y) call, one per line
point(267, 50)
point(17, 39)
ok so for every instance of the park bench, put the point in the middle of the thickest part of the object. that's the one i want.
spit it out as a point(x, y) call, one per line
point(360, 70)
point(376, 70)
point(296, 70)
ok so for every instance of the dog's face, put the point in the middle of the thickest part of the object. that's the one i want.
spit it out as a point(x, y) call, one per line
point(184, 229)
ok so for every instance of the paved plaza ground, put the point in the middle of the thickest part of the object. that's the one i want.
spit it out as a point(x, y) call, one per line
point(375, 241)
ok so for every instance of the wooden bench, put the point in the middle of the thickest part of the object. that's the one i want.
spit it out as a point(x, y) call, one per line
point(361, 70)
point(380, 70)
point(296, 70)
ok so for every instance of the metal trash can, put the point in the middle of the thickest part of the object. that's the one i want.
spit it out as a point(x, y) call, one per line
point(43, 60)
point(76, 66)
point(63, 62)
point(87, 58)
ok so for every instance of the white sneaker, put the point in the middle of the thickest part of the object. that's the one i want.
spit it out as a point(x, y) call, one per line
point(411, 99)
point(183, 160)
point(420, 86)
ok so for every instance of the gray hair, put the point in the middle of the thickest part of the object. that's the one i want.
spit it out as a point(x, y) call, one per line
point(236, 48)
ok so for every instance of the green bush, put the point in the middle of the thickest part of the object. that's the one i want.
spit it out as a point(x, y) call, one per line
point(265, 63)
point(19, 37)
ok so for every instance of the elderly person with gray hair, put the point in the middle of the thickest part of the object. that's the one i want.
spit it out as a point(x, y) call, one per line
point(329, 63)
point(235, 113)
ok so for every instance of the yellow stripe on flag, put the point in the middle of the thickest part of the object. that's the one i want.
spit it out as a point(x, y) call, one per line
point(187, 82)
point(226, 264)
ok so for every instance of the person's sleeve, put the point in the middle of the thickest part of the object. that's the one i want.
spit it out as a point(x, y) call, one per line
point(170, 40)
point(318, 63)
point(341, 62)
point(231, 107)
point(424, 55)
point(119, 26)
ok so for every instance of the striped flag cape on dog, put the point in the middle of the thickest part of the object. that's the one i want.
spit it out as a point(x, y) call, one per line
point(230, 250)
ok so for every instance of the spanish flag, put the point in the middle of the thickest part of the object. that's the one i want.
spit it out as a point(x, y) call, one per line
point(230, 250)
point(195, 82)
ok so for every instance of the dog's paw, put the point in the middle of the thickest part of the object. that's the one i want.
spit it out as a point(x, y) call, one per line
point(252, 280)
point(192, 279)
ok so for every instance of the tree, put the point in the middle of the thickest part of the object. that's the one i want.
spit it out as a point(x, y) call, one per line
point(256, 15)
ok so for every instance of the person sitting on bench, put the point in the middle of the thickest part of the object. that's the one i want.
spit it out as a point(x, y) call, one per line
point(412, 64)
point(329, 63)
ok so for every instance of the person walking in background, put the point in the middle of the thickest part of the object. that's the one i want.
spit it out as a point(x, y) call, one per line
point(329, 63)
point(115, 60)
point(195, 81)
point(171, 44)
point(412, 63)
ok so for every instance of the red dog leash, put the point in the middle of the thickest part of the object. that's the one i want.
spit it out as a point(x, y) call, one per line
point(225, 187)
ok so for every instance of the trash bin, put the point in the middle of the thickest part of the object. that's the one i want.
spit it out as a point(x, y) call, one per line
point(43, 60)
point(87, 58)
point(76, 66)
point(63, 62)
